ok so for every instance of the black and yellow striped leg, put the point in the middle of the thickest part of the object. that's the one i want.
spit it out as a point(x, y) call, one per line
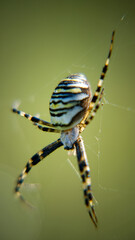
point(101, 79)
point(32, 118)
point(86, 179)
point(46, 129)
point(93, 112)
point(32, 162)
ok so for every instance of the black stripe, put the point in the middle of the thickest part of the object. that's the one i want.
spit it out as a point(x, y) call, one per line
point(105, 69)
point(35, 159)
point(98, 89)
point(66, 94)
point(70, 123)
point(83, 90)
point(77, 76)
point(26, 115)
point(85, 192)
point(63, 95)
point(57, 114)
point(90, 197)
point(66, 87)
point(66, 82)
point(17, 189)
point(86, 201)
point(63, 109)
point(82, 164)
point(51, 147)
point(60, 101)
point(15, 110)
point(94, 99)
point(102, 76)
point(20, 181)
point(89, 187)
point(83, 178)
point(35, 119)
point(28, 167)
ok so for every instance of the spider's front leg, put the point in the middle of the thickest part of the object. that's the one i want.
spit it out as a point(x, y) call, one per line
point(93, 112)
point(99, 89)
point(102, 76)
point(46, 129)
point(86, 179)
point(31, 118)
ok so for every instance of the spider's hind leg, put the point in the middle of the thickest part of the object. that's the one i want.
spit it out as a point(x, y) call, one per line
point(86, 179)
point(32, 162)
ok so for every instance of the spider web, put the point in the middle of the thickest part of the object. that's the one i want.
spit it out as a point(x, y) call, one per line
point(114, 106)
point(98, 151)
point(119, 109)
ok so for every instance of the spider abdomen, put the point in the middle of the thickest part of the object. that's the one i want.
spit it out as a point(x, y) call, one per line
point(70, 101)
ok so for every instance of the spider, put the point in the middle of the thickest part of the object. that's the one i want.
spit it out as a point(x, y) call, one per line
point(72, 107)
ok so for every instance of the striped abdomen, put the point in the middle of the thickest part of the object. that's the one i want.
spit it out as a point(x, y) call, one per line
point(70, 101)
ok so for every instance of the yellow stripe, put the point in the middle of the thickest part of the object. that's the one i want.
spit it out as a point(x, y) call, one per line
point(72, 79)
point(40, 153)
point(91, 105)
point(60, 105)
point(96, 94)
point(107, 61)
point(100, 83)
point(71, 90)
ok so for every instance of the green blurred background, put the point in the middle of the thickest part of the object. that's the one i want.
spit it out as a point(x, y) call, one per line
point(41, 42)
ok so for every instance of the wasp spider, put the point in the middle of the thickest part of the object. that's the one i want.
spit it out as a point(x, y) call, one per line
point(72, 107)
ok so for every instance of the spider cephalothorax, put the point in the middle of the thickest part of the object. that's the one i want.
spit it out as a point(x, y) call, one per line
point(72, 107)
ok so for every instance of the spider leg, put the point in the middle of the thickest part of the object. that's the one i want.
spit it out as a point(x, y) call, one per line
point(101, 79)
point(86, 179)
point(32, 118)
point(36, 158)
point(93, 112)
point(46, 129)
